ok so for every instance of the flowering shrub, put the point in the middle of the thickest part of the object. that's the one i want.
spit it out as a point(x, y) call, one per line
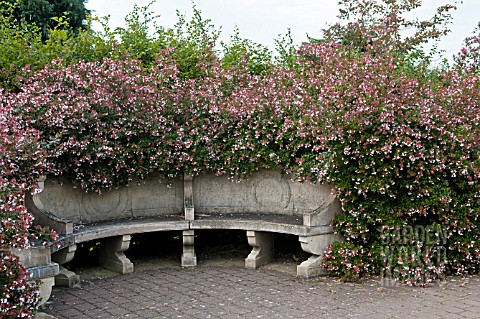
point(358, 109)
point(349, 260)
point(399, 152)
point(21, 162)
point(18, 297)
point(257, 125)
point(104, 124)
point(402, 149)
point(98, 120)
point(467, 61)
point(16, 222)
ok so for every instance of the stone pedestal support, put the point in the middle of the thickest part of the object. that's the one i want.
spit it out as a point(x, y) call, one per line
point(38, 262)
point(262, 252)
point(189, 258)
point(112, 256)
point(65, 278)
point(45, 289)
point(315, 245)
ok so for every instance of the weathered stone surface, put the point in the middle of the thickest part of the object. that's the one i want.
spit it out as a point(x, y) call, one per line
point(265, 192)
point(155, 197)
point(114, 204)
point(46, 285)
point(113, 228)
point(66, 278)
point(262, 251)
point(35, 206)
point(265, 203)
point(65, 255)
point(315, 245)
point(59, 198)
point(285, 224)
point(33, 256)
point(112, 256)
point(311, 267)
point(63, 241)
point(152, 197)
point(38, 262)
point(188, 197)
point(189, 258)
point(44, 271)
point(322, 215)
point(42, 315)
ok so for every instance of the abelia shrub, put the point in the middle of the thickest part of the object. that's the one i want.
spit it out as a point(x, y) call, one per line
point(399, 143)
point(104, 124)
point(18, 296)
point(101, 123)
point(402, 153)
point(258, 124)
point(467, 61)
point(16, 221)
point(352, 261)
point(21, 163)
point(196, 111)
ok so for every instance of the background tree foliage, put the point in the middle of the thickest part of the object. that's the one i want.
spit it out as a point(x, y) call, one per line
point(142, 38)
point(45, 13)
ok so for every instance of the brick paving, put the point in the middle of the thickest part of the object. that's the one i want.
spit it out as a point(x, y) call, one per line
point(216, 291)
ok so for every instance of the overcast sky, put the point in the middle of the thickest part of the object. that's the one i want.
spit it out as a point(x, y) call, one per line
point(263, 20)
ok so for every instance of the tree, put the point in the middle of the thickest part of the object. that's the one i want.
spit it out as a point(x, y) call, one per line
point(44, 12)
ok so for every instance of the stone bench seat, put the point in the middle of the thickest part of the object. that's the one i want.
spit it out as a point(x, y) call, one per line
point(262, 205)
point(275, 223)
point(121, 227)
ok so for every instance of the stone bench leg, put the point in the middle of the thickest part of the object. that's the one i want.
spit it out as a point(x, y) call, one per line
point(66, 278)
point(315, 245)
point(262, 252)
point(112, 256)
point(189, 258)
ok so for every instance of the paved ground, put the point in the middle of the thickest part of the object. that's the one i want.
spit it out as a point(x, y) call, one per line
point(223, 289)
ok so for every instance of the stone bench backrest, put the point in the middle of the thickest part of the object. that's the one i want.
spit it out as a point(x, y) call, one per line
point(152, 198)
point(265, 192)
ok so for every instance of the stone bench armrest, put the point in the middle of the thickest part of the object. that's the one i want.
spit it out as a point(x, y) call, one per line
point(322, 216)
point(45, 218)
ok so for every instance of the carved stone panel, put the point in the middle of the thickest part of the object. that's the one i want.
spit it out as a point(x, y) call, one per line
point(154, 197)
point(265, 192)
point(150, 198)
point(108, 205)
point(212, 194)
point(272, 192)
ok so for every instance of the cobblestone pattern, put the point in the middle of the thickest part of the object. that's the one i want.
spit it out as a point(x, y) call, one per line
point(231, 292)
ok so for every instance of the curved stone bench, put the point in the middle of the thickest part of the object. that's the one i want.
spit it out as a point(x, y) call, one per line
point(264, 204)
